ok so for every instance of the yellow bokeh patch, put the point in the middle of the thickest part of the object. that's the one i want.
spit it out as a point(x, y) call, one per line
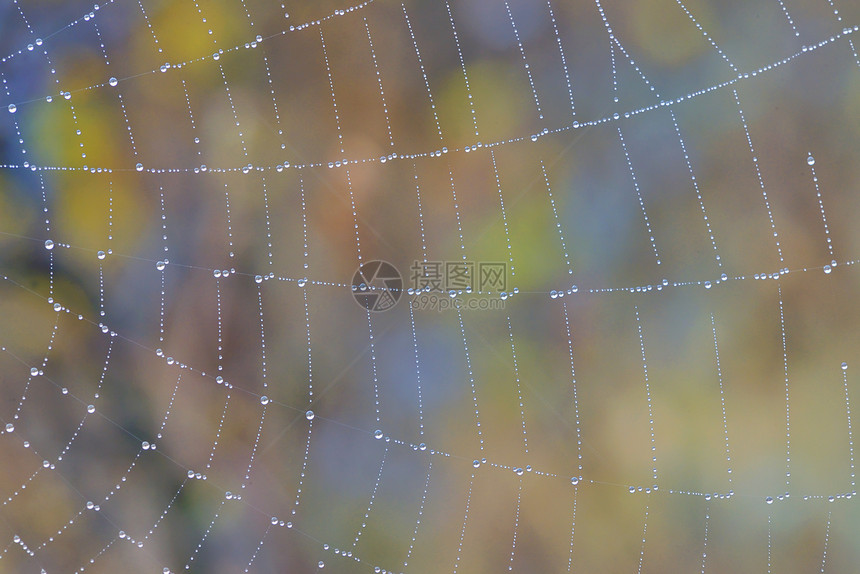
point(666, 34)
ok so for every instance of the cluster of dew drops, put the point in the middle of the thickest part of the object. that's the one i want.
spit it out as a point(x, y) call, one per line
point(832, 497)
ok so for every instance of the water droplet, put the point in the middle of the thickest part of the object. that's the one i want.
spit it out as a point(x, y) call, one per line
point(144, 445)
point(309, 415)
point(303, 281)
point(810, 160)
point(769, 500)
point(377, 434)
point(264, 400)
point(476, 463)
point(91, 409)
point(574, 480)
point(34, 371)
point(160, 265)
point(49, 244)
point(100, 254)
point(139, 167)
point(258, 279)
point(321, 564)
point(631, 490)
point(827, 269)
point(844, 366)
point(10, 427)
point(113, 81)
point(12, 108)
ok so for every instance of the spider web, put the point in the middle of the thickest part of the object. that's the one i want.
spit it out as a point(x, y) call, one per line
point(660, 379)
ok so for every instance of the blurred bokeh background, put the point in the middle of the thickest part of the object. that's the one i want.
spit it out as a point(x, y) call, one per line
point(210, 174)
